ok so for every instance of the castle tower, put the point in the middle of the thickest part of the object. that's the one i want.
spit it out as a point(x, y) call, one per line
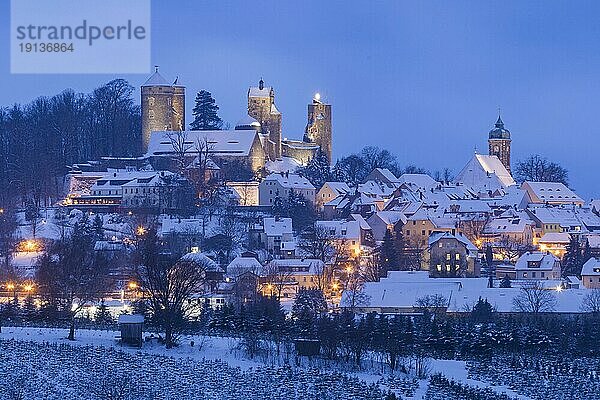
point(261, 107)
point(163, 106)
point(499, 143)
point(318, 129)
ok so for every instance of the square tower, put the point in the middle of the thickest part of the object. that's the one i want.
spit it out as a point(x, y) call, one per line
point(499, 143)
point(318, 129)
point(261, 107)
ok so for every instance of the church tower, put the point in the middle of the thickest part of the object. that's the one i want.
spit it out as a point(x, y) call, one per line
point(163, 106)
point(499, 143)
point(261, 107)
point(318, 128)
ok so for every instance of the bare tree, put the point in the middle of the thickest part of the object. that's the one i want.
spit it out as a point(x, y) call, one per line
point(511, 249)
point(591, 302)
point(168, 284)
point(434, 303)
point(72, 275)
point(277, 278)
point(534, 298)
point(318, 242)
point(182, 148)
point(538, 169)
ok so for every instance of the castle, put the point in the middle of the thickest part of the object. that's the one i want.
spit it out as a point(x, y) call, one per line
point(256, 139)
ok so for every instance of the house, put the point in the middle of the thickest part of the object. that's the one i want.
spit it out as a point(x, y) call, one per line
point(286, 277)
point(555, 242)
point(383, 221)
point(421, 224)
point(452, 255)
point(329, 191)
point(271, 233)
point(348, 235)
point(551, 193)
point(279, 185)
point(537, 265)
point(590, 273)
point(516, 226)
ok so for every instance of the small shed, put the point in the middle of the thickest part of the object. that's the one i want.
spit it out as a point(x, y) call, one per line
point(307, 347)
point(131, 329)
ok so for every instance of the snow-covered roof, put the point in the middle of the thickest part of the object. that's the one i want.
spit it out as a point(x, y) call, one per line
point(508, 224)
point(285, 164)
point(485, 172)
point(546, 261)
point(256, 91)
point(290, 181)
point(277, 227)
point(221, 143)
point(423, 181)
point(156, 79)
point(241, 265)
point(437, 236)
point(338, 187)
point(180, 225)
point(202, 260)
point(390, 217)
point(247, 122)
point(362, 222)
point(300, 265)
point(556, 237)
point(591, 267)
point(551, 192)
point(131, 319)
point(402, 289)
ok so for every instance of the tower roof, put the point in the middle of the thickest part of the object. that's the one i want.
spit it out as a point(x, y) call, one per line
point(156, 79)
point(499, 131)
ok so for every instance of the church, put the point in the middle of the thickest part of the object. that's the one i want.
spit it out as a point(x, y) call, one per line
point(256, 139)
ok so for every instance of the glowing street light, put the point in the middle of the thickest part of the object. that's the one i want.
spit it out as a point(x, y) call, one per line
point(335, 286)
point(28, 287)
point(132, 285)
point(317, 96)
point(10, 286)
point(140, 230)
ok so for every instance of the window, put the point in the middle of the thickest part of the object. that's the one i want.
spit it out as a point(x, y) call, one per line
point(533, 274)
point(524, 274)
point(448, 257)
point(457, 256)
point(439, 267)
point(423, 233)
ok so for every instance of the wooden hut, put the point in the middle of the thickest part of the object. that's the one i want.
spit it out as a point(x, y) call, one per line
point(131, 329)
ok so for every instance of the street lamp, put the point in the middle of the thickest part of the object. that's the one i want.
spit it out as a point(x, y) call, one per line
point(140, 230)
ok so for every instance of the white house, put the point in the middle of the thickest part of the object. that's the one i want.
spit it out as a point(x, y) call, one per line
point(537, 266)
point(590, 273)
point(281, 184)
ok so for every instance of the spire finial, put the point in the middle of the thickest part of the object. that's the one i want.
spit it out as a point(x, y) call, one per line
point(499, 122)
point(156, 68)
point(261, 84)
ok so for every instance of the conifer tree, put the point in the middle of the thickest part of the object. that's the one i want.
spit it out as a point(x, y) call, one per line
point(572, 261)
point(205, 113)
point(388, 259)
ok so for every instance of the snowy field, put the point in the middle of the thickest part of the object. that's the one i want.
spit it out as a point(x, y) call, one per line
point(96, 367)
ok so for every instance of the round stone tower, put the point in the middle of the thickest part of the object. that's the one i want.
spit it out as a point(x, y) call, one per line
point(163, 106)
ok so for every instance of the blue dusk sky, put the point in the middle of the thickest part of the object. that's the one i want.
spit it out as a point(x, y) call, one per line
point(423, 79)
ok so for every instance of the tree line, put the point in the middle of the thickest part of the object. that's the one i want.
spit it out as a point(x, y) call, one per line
point(40, 139)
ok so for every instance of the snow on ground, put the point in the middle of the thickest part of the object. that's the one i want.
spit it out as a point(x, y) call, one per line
point(222, 350)
point(457, 370)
